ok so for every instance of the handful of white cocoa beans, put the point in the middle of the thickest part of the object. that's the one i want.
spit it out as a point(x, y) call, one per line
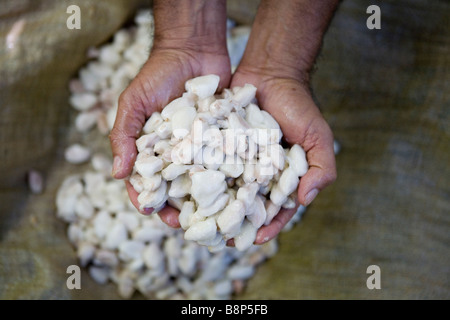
point(217, 158)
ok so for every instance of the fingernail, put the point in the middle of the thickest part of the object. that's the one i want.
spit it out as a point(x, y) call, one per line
point(262, 240)
point(147, 211)
point(310, 196)
point(116, 165)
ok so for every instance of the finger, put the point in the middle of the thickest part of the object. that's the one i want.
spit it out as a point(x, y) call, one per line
point(123, 137)
point(321, 160)
point(169, 216)
point(267, 233)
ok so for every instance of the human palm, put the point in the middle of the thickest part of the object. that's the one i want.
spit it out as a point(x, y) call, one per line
point(160, 80)
point(290, 102)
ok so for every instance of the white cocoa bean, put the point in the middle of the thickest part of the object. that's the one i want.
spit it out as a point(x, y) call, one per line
point(244, 95)
point(152, 123)
point(148, 166)
point(169, 110)
point(207, 186)
point(218, 205)
point(202, 230)
point(203, 86)
point(297, 160)
point(257, 212)
point(186, 211)
point(77, 154)
point(130, 250)
point(231, 218)
point(288, 182)
point(182, 121)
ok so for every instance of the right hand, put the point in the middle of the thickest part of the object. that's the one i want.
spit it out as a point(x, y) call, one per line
point(161, 80)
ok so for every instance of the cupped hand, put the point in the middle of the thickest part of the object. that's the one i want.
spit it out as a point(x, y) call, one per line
point(290, 102)
point(160, 80)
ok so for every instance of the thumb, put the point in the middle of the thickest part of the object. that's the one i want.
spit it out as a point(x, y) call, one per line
point(157, 83)
point(128, 124)
point(322, 165)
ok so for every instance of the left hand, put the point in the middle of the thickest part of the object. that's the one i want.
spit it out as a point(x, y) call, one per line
point(290, 102)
